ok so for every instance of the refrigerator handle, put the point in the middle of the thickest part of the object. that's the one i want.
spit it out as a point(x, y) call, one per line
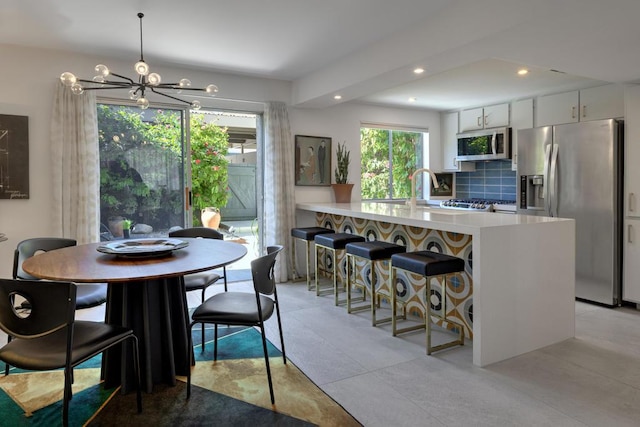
point(554, 181)
point(546, 182)
point(632, 202)
point(629, 233)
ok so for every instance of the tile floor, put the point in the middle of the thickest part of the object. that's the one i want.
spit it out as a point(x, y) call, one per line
point(591, 380)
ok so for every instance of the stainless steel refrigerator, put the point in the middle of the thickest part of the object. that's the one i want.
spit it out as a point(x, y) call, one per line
point(575, 171)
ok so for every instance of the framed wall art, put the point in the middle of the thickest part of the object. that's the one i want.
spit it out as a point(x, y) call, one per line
point(446, 189)
point(14, 157)
point(313, 160)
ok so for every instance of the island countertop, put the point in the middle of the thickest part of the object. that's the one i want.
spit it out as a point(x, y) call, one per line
point(457, 221)
point(523, 270)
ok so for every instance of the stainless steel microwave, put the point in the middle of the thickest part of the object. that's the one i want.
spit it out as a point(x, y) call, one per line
point(485, 144)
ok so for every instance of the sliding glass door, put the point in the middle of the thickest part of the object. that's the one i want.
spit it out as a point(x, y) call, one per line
point(142, 169)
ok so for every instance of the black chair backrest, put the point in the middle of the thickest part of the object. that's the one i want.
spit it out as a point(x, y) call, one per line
point(204, 232)
point(53, 307)
point(28, 248)
point(262, 271)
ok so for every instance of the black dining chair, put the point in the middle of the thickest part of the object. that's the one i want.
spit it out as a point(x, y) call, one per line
point(46, 336)
point(245, 309)
point(88, 295)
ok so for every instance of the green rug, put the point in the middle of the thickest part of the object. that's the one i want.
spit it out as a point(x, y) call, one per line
point(230, 392)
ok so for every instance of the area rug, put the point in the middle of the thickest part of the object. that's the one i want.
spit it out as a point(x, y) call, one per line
point(232, 391)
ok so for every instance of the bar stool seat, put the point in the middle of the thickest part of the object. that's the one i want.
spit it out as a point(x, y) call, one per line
point(307, 235)
point(374, 252)
point(334, 243)
point(427, 264)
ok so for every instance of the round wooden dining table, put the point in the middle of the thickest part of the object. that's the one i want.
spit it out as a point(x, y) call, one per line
point(144, 294)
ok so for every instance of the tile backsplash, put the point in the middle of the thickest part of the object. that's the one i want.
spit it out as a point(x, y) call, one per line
point(491, 180)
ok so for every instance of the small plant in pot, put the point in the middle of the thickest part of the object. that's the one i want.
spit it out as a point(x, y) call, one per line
point(126, 228)
point(341, 189)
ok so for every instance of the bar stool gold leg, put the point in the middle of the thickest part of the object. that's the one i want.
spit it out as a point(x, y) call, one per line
point(460, 340)
point(351, 272)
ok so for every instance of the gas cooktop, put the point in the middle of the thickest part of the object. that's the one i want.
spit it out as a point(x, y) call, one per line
point(480, 205)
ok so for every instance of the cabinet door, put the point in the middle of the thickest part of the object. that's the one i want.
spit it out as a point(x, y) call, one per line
point(496, 116)
point(471, 119)
point(631, 283)
point(602, 102)
point(448, 131)
point(632, 151)
point(521, 118)
point(557, 109)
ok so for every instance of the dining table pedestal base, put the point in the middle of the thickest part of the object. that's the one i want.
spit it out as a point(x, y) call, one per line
point(156, 311)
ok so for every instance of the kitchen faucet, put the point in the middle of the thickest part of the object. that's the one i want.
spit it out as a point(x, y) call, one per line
point(434, 180)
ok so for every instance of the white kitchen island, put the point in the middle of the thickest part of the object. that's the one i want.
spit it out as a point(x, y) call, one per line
point(523, 269)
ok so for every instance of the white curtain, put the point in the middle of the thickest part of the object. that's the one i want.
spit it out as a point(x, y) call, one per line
point(75, 163)
point(279, 195)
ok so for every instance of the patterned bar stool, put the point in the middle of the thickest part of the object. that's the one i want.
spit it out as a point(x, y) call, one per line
point(428, 264)
point(375, 252)
point(305, 234)
point(334, 243)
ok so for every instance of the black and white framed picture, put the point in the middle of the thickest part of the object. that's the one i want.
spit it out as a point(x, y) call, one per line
point(313, 160)
point(14, 157)
point(446, 189)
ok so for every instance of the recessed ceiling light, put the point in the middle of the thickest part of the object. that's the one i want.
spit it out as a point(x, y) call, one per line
point(418, 70)
point(523, 72)
point(336, 97)
point(413, 99)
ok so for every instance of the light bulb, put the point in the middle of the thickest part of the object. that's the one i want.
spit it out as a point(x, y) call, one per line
point(184, 83)
point(142, 68)
point(77, 89)
point(212, 89)
point(99, 78)
point(133, 94)
point(68, 78)
point(196, 105)
point(154, 79)
point(143, 103)
point(102, 70)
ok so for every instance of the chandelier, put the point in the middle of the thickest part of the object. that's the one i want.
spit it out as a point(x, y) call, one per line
point(146, 81)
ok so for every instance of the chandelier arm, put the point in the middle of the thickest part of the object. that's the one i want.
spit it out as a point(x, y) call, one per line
point(124, 78)
point(118, 85)
point(169, 96)
point(193, 89)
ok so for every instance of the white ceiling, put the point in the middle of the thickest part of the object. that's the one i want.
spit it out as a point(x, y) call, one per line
point(364, 50)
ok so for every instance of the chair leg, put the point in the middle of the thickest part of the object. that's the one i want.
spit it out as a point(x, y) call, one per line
point(284, 357)
point(67, 397)
point(190, 354)
point(215, 342)
point(202, 324)
point(266, 361)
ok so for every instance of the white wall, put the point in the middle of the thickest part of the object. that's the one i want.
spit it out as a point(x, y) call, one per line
point(29, 77)
point(342, 124)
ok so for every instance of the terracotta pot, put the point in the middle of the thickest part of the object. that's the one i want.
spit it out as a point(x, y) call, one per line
point(115, 226)
point(210, 218)
point(342, 192)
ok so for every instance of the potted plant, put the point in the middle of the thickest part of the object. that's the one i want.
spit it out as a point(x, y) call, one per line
point(126, 228)
point(342, 189)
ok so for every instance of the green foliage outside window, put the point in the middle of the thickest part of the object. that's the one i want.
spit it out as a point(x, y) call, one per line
point(156, 147)
point(385, 176)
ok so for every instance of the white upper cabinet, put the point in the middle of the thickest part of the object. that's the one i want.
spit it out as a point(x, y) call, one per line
point(448, 131)
point(521, 118)
point(601, 102)
point(487, 117)
point(557, 108)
